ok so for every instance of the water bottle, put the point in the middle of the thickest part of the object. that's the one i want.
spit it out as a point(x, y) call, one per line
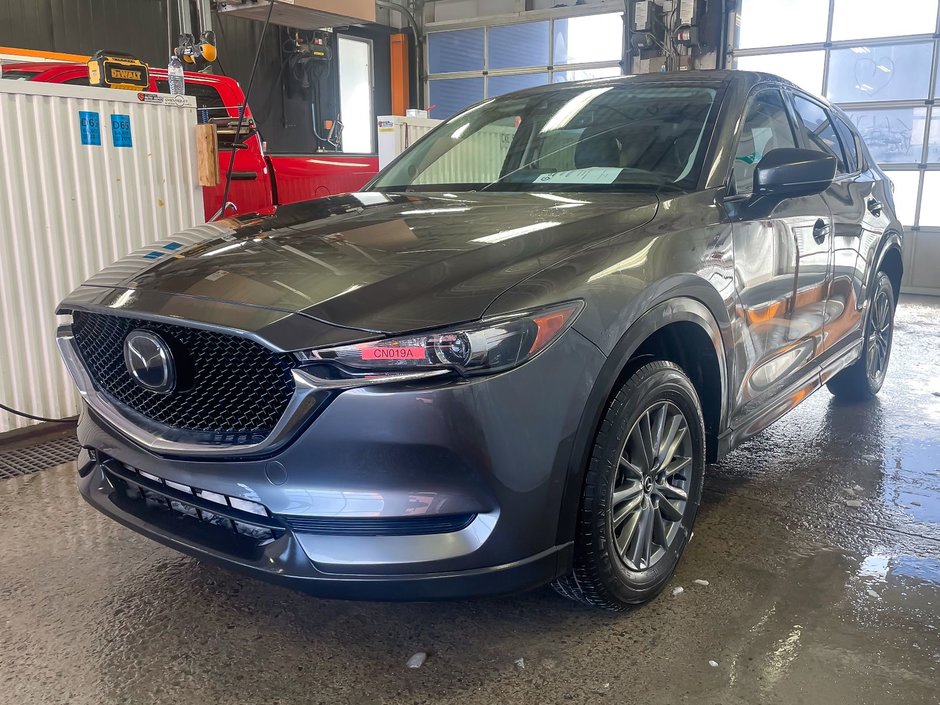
point(174, 73)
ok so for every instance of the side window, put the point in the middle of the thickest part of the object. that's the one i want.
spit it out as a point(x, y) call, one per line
point(206, 97)
point(766, 127)
point(849, 145)
point(209, 100)
point(818, 131)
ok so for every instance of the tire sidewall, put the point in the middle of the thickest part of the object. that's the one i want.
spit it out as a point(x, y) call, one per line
point(882, 283)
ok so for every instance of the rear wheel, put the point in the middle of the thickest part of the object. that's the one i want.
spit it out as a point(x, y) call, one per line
point(641, 492)
point(864, 379)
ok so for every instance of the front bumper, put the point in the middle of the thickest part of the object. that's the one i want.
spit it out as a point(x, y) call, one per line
point(495, 448)
point(284, 561)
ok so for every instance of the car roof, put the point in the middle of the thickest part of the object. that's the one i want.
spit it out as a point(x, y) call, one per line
point(714, 78)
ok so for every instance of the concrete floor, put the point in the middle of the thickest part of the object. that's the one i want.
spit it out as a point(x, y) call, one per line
point(809, 600)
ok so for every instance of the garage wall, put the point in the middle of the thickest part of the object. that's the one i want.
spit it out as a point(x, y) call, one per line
point(140, 27)
point(880, 65)
point(284, 119)
point(84, 26)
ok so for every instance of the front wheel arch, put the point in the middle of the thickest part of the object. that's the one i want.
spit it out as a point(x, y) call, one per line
point(621, 363)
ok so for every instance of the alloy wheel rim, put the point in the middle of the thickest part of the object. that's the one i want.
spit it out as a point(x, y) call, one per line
point(879, 337)
point(649, 493)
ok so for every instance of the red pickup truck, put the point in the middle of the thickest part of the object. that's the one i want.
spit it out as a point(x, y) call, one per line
point(259, 180)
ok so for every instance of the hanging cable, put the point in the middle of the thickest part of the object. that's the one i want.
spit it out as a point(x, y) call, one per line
point(241, 116)
point(32, 417)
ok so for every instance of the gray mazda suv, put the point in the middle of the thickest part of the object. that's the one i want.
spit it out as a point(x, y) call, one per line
point(504, 363)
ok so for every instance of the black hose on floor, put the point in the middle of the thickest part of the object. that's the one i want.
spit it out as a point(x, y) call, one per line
point(33, 417)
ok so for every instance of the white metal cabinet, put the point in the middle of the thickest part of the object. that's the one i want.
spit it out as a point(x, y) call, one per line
point(68, 208)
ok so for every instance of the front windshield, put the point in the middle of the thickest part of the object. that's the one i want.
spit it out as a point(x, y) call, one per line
point(586, 138)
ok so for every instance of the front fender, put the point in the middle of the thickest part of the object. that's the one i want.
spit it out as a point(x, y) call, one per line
point(660, 314)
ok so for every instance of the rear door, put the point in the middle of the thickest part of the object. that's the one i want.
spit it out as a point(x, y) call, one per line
point(781, 261)
point(858, 222)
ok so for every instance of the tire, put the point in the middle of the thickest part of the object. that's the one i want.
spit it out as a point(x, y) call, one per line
point(864, 379)
point(613, 568)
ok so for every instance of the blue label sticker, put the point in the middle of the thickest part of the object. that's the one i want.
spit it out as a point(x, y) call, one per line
point(121, 130)
point(153, 255)
point(173, 246)
point(90, 125)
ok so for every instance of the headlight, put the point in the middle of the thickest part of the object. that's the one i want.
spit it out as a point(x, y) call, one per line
point(490, 345)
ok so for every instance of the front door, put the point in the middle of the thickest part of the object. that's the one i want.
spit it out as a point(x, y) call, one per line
point(782, 271)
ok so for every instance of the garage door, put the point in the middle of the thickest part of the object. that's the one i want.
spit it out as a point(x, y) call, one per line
point(469, 64)
point(879, 65)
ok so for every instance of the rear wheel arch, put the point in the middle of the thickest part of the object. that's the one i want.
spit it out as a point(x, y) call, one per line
point(890, 262)
point(680, 329)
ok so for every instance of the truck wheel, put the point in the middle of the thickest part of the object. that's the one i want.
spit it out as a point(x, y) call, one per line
point(641, 492)
point(864, 379)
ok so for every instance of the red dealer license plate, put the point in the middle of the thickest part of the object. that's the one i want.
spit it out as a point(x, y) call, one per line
point(396, 353)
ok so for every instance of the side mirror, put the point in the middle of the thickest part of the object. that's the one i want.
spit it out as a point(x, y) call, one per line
point(787, 172)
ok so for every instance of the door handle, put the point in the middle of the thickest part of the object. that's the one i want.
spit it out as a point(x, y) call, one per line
point(874, 206)
point(819, 231)
point(244, 175)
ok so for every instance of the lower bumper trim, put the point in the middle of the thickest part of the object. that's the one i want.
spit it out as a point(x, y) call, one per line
point(284, 562)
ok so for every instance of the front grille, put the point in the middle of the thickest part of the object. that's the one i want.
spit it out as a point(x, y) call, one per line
point(233, 388)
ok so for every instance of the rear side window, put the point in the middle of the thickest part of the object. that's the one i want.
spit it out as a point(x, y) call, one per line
point(209, 100)
point(14, 75)
point(206, 96)
point(818, 131)
point(849, 145)
point(766, 127)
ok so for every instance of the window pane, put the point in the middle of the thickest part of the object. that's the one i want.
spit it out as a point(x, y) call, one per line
point(458, 50)
point(450, 96)
point(861, 19)
point(582, 40)
point(206, 96)
point(900, 72)
point(507, 84)
point(355, 94)
point(930, 205)
point(905, 194)
point(893, 135)
point(585, 74)
point(804, 68)
point(818, 132)
point(766, 127)
point(849, 145)
point(513, 46)
point(933, 140)
point(771, 23)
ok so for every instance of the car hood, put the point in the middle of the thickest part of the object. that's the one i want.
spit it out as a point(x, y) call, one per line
point(379, 262)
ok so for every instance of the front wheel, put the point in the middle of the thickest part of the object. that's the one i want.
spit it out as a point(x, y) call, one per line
point(641, 492)
point(863, 380)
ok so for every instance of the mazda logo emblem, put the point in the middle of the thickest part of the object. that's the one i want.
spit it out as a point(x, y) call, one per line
point(149, 361)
